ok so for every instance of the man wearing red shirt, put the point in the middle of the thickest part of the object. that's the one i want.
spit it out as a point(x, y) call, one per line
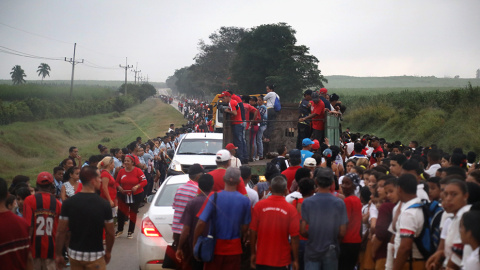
point(223, 160)
point(236, 124)
point(273, 221)
point(294, 160)
point(41, 211)
point(318, 117)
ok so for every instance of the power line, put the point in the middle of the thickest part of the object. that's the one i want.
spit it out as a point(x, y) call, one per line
point(28, 55)
point(25, 31)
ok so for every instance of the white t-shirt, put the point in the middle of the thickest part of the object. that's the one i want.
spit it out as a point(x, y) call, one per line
point(350, 147)
point(472, 262)
point(453, 239)
point(433, 170)
point(421, 193)
point(252, 195)
point(409, 224)
point(235, 162)
point(292, 196)
point(270, 99)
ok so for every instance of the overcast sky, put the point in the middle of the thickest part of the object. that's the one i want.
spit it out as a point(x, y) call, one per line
point(358, 38)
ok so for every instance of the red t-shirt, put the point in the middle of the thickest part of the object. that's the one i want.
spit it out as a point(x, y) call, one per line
point(295, 203)
point(219, 184)
point(14, 241)
point(233, 106)
point(41, 211)
point(354, 225)
point(249, 112)
point(127, 180)
point(290, 174)
point(274, 220)
point(318, 109)
point(112, 186)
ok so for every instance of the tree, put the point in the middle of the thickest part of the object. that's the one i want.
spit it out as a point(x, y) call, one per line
point(43, 70)
point(478, 74)
point(18, 75)
point(269, 55)
point(212, 64)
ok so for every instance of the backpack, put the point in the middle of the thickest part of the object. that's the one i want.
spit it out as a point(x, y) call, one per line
point(427, 241)
point(277, 106)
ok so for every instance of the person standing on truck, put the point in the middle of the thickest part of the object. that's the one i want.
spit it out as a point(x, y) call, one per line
point(271, 114)
point(236, 123)
point(318, 116)
point(304, 129)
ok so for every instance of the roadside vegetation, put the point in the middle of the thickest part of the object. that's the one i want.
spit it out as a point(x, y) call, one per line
point(31, 147)
point(32, 102)
point(447, 118)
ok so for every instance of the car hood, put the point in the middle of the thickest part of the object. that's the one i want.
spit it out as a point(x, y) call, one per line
point(204, 160)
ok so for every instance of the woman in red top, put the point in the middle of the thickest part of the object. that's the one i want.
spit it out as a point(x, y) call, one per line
point(350, 246)
point(108, 190)
point(130, 181)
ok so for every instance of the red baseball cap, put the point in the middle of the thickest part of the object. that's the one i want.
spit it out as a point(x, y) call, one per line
point(44, 178)
point(315, 145)
point(225, 94)
point(323, 90)
point(230, 147)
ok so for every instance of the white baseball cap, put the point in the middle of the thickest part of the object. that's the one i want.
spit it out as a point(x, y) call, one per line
point(310, 162)
point(223, 155)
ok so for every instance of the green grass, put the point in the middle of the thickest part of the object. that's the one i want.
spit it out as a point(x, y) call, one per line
point(29, 148)
point(54, 92)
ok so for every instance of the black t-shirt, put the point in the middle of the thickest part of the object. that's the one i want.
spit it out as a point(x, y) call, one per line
point(87, 214)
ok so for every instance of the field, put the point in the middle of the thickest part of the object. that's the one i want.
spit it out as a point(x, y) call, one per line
point(31, 147)
point(114, 84)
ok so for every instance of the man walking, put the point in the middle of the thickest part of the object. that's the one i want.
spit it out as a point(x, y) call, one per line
point(326, 216)
point(41, 211)
point(184, 194)
point(273, 222)
point(230, 216)
point(86, 215)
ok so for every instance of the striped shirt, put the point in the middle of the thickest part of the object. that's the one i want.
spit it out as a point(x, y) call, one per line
point(184, 194)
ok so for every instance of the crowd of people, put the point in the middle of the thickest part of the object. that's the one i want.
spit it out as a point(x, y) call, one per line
point(376, 206)
point(367, 204)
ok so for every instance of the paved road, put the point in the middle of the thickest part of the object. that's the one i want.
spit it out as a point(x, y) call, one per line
point(124, 253)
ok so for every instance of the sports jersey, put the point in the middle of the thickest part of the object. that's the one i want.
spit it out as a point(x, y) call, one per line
point(14, 241)
point(41, 211)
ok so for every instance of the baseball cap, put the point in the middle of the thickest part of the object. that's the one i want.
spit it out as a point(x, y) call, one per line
point(307, 142)
point(295, 153)
point(310, 162)
point(323, 90)
point(327, 152)
point(316, 144)
point(195, 169)
point(230, 147)
point(44, 178)
point(223, 155)
point(315, 96)
point(225, 94)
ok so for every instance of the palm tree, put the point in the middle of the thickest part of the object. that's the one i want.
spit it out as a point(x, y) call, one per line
point(18, 74)
point(43, 70)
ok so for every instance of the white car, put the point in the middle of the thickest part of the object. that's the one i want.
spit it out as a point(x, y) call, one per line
point(156, 226)
point(196, 148)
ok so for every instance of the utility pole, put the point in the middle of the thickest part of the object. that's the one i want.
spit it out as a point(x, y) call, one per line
point(147, 78)
point(136, 71)
point(126, 67)
point(73, 62)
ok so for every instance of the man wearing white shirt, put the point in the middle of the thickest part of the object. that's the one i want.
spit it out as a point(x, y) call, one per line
point(409, 225)
point(271, 114)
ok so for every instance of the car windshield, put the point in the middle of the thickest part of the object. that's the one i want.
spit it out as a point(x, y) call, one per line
point(199, 147)
point(166, 197)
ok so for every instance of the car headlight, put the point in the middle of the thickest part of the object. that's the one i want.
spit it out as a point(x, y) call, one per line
point(176, 166)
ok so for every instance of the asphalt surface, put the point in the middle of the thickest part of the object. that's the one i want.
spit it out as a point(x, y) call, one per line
point(124, 253)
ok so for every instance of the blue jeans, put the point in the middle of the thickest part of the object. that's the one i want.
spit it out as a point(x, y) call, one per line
point(329, 261)
point(238, 140)
point(260, 132)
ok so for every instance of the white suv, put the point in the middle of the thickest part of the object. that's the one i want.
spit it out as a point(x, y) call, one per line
point(198, 148)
